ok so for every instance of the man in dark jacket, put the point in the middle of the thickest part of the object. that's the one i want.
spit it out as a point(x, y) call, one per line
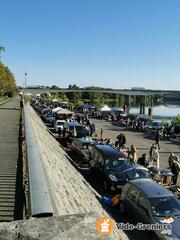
point(143, 160)
point(121, 140)
point(175, 169)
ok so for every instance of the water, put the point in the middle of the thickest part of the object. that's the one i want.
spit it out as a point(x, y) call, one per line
point(167, 111)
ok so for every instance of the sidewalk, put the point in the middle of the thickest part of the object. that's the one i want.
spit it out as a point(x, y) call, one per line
point(9, 151)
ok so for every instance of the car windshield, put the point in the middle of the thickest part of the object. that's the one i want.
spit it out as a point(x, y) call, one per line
point(134, 173)
point(156, 124)
point(165, 207)
point(78, 131)
point(120, 163)
point(60, 123)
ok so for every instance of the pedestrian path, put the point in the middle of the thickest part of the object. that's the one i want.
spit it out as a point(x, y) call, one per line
point(9, 155)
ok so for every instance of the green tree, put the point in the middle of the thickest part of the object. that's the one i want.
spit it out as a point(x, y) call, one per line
point(176, 120)
point(7, 81)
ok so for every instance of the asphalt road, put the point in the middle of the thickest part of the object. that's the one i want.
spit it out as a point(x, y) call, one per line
point(142, 141)
point(9, 160)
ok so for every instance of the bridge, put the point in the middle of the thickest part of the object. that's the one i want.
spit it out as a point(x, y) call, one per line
point(143, 93)
point(125, 92)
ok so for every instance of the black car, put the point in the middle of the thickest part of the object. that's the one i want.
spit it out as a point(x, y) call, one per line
point(149, 203)
point(81, 148)
point(114, 167)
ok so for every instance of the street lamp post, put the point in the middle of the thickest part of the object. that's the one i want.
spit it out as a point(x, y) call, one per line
point(25, 83)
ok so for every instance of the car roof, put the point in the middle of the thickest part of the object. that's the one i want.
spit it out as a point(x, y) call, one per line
point(73, 124)
point(109, 151)
point(84, 140)
point(60, 120)
point(150, 188)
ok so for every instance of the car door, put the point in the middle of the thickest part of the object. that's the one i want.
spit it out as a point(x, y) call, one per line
point(130, 201)
point(143, 209)
point(101, 170)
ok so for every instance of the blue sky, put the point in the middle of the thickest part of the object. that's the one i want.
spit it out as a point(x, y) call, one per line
point(107, 43)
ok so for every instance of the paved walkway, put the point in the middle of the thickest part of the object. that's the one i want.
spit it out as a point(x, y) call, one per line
point(9, 151)
point(140, 140)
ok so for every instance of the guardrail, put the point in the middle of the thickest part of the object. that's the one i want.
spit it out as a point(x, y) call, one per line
point(39, 200)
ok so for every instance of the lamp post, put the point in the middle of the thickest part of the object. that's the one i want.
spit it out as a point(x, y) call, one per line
point(25, 82)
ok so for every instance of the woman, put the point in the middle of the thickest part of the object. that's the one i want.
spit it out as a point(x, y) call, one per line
point(133, 154)
point(155, 155)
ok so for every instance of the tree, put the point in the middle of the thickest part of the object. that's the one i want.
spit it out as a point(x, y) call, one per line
point(176, 120)
point(7, 81)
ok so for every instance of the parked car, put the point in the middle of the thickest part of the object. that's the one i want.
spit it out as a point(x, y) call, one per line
point(49, 118)
point(81, 148)
point(59, 124)
point(114, 167)
point(147, 202)
point(74, 130)
point(152, 127)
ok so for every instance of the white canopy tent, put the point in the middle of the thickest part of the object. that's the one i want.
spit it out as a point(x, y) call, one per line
point(65, 112)
point(105, 109)
point(57, 109)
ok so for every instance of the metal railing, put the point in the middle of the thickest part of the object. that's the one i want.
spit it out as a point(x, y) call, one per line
point(39, 200)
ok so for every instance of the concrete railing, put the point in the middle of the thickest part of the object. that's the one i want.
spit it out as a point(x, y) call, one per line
point(39, 200)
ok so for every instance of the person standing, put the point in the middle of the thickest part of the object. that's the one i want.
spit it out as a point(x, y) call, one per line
point(133, 154)
point(175, 169)
point(143, 160)
point(170, 159)
point(101, 133)
point(157, 139)
point(121, 140)
point(155, 155)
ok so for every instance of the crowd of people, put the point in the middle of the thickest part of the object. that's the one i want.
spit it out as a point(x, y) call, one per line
point(148, 160)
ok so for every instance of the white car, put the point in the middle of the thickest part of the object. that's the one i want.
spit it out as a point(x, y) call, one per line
point(59, 124)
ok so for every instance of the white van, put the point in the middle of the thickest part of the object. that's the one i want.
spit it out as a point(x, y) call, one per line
point(59, 124)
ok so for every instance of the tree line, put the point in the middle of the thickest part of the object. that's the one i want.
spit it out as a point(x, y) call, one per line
point(7, 80)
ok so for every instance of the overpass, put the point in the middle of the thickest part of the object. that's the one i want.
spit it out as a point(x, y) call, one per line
point(143, 93)
point(125, 92)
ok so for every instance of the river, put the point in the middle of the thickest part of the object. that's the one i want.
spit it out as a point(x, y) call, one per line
point(167, 111)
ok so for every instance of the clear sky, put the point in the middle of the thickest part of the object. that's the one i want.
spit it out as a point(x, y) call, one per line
point(107, 43)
